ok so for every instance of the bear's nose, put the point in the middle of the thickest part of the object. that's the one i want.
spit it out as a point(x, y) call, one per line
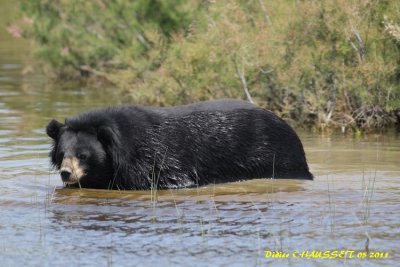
point(65, 175)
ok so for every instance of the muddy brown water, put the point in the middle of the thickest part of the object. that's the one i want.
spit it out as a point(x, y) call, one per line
point(353, 204)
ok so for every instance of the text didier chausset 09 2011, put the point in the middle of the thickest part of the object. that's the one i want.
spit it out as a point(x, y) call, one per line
point(326, 254)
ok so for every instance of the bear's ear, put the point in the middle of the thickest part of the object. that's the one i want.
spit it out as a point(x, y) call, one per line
point(53, 128)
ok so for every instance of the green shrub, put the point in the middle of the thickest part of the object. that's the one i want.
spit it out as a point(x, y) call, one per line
point(327, 61)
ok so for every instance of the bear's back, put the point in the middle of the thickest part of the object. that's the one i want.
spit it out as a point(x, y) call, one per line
point(223, 105)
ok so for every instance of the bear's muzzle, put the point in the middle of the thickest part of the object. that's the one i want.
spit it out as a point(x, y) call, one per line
point(71, 171)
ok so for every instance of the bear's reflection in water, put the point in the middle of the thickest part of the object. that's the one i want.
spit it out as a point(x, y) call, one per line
point(242, 205)
point(257, 189)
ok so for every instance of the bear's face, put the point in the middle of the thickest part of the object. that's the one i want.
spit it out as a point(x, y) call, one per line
point(79, 156)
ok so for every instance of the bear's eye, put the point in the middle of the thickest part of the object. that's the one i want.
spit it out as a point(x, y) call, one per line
point(82, 156)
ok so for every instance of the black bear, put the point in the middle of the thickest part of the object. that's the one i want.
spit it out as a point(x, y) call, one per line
point(138, 147)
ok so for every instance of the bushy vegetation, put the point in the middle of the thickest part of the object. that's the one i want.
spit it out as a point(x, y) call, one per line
point(326, 62)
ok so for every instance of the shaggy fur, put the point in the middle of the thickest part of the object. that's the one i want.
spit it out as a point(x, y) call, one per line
point(137, 147)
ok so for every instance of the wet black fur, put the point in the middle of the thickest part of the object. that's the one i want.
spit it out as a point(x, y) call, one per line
point(185, 146)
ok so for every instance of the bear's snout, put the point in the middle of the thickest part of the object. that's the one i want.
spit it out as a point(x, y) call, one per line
point(65, 176)
point(71, 170)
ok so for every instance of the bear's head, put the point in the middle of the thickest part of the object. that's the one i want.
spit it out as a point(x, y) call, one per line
point(81, 155)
